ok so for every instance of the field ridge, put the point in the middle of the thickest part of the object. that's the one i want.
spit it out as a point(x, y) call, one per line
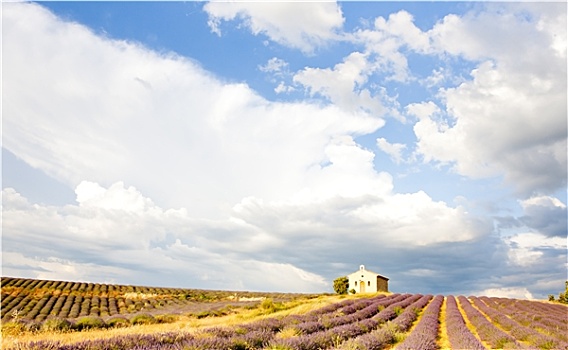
point(44, 314)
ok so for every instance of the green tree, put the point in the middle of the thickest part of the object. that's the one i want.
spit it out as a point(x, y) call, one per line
point(563, 296)
point(341, 284)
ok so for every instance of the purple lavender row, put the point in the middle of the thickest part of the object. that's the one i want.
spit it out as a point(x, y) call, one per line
point(527, 319)
point(361, 316)
point(309, 323)
point(361, 304)
point(529, 316)
point(331, 337)
point(385, 335)
point(459, 335)
point(424, 335)
point(323, 322)
point(250, 339)
point(405, 320)
point(162, 341)
point(346, 306)
point(556, 313)
point(260, 333)
point(485, 329)
point(548, 309)
point(517, 330)
point(548, 312)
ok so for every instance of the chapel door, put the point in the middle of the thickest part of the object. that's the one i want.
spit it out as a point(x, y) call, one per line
point(361, 286)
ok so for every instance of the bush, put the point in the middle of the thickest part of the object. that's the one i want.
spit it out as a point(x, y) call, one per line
point(166, 318)
point(268, 304)
point(118, 322)
point(56, 324)
point(33, 326)
point(341, 284)
point(89, 322)
point(143, 319)
point(13, 328)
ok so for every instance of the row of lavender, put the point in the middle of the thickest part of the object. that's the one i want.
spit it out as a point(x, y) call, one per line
point(37, 300)
point(538, 324)
point(321, 329)
point(498, 323)
point(504, 325)
point(376, 323)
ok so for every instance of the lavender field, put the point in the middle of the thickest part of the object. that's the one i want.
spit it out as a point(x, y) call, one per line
point(384, 321)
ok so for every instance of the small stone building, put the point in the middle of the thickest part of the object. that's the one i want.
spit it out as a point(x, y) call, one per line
point(365, 281)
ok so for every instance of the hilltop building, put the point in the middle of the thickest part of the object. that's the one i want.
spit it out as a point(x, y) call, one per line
point(365, 281)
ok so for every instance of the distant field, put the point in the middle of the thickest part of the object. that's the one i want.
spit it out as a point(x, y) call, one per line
point(38, 314)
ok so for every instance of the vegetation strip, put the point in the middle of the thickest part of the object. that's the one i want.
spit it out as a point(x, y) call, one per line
point(486, 330)
point(459, 335)
point(357, 322)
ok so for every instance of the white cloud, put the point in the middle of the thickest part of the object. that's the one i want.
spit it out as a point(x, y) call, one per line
point(274, 65)
point(542, 201)
point(527, 248)
point(302, 25)
point(422, 110)
point(387, 39)
point(283, 88)
point(76, 110)
point(347, 196)
point(394, 150)
point(510, 119)
point(75, 243)
point(508, 292)
point(343, 85)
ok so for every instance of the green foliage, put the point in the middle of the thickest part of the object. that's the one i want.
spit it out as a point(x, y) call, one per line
point(352, 291)
point(89, 322)
point(13, 328)
point(562, 296)
point(398, 310)
point(268, 305)
point(341, 284)
point(143, 319)
point(118, 322)
point(169, 318)
point(56, 324)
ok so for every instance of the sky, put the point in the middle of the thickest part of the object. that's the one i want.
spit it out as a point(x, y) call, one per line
point(277, 146)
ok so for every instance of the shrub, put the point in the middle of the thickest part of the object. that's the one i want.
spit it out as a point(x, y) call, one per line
point(143, 319)
point(341, 284)
point(89, 322)
point(117, 322)
point(166, 318)
point(33, 326)
point(56, 324)
point(13, 328)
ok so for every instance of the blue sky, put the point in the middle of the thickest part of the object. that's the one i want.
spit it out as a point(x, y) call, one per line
point(277, 146)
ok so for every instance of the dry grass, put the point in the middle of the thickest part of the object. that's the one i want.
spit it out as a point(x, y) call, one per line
point(183, 324)
point(443, 341)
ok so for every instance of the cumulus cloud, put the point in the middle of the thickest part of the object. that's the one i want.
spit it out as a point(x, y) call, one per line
point(302, 25)
point(508, 292)
point(394, 150)
point(518, 54)
point(527, 248)
point(73, 242)
point(77, 111)
point(343, 84)
point(510, 118)
point(547, 215)
point(386, 41)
